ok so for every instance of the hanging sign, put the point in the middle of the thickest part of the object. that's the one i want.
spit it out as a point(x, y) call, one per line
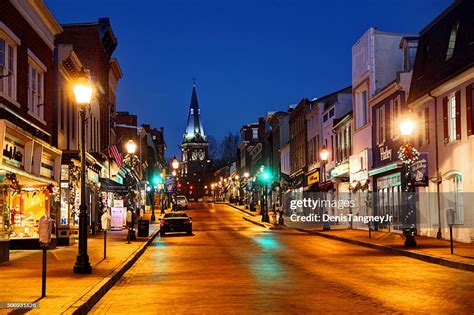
point(419, 171)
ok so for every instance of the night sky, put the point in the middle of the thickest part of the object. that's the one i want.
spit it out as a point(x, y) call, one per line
point(249, 57)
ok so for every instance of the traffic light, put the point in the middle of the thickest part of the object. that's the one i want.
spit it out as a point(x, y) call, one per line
point(267, 176)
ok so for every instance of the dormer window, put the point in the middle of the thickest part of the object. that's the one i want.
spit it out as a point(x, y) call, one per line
point(452, 40)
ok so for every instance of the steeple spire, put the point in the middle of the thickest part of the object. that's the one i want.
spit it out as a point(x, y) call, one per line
point(194, 131)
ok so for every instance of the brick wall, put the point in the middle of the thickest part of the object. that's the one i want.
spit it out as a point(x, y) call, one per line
point(29, 40)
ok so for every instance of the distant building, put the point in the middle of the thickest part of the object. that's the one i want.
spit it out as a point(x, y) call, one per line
point(194, 151)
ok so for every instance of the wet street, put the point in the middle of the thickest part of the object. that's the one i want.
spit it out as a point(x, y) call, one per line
point(230, 265)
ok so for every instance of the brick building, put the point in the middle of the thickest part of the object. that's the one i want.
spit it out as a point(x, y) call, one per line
point(29, 164)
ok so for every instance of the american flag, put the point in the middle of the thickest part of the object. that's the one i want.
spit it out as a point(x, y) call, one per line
point(115, 154)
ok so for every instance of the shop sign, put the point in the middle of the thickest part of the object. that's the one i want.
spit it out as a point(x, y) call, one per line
point(419, 171)
point(385, 153)
point(117, 221)
point(118, 203)
point(170, 183)
point(47, 166)
point(313, 178)
point(392, 180)
point(13, 153)
point(65, 172)
point(92, 176)
point(340, 170)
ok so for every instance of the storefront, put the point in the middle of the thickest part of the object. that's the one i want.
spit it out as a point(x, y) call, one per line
point(387, 183)
point(388, 194)
point(29, 177)
point(359, 185)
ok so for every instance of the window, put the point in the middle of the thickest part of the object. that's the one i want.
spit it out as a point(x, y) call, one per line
point(361, 109)
point(254, 133)
point(325, 117)
point(311, 151)
point(452, 41)
point(331, 112)
point(8, 69)
point(317, 146)
point(73, 118)
point(457, 202)
point(452, 118)
point(62, 104)
point(380, 125)
point(395, 115)
point(35, 91)
point(424, 133)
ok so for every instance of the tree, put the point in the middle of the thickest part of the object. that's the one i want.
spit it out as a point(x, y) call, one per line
point(214, 152)
point(229, 146)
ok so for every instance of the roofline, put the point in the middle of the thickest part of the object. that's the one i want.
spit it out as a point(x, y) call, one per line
point(336, 92)
point(439, 17)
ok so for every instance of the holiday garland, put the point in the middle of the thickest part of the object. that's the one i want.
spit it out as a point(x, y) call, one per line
point(408, 154)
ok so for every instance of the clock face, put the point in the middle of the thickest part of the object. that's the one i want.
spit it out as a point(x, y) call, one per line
point(198, 155)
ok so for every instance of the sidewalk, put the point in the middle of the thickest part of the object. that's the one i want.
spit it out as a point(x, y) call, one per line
point(67, 292)
point(428, 249)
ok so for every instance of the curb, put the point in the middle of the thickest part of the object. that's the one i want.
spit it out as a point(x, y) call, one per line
point(85, 303)
point(396, 251)
point(241, 210)
point(255, 222)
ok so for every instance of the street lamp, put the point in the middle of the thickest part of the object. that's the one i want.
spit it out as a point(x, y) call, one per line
point(175, 163)
point(324, 155)
point(408, 155)
point(131, 147)
point(83, 94)
point(266, 178)
point(131, 160)
point(175, 166)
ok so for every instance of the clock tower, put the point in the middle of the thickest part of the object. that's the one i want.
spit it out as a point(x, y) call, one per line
point(194, 151)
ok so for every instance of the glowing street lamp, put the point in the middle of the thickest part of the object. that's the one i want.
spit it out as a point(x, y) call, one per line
point(324, 154)
point(175, 163)
point(131, 147)
point(407, 125)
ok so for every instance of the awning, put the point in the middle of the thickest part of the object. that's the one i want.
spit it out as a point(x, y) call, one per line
point(109, 185)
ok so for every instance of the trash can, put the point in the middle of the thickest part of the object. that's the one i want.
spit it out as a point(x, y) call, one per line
point(143, 228)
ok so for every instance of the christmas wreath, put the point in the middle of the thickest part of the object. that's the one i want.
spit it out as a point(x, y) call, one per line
point(408, 154)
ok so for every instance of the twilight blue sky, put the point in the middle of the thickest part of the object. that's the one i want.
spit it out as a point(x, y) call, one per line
point(249, 57)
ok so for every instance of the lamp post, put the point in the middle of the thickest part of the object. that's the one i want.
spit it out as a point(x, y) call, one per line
point(131, 160)
point(324, 155)
point(246, 178)
point(175, 166)
point(265, 179)
point(83, 93)
point(408, 155)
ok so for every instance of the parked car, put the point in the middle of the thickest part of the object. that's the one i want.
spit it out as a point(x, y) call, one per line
point(181, 202)
point(210, 199)
point(176, 222)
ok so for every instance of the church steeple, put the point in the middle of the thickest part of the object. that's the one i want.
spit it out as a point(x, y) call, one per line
point(194, 132)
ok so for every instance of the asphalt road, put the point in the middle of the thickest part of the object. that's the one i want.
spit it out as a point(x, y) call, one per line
point(232, 266)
